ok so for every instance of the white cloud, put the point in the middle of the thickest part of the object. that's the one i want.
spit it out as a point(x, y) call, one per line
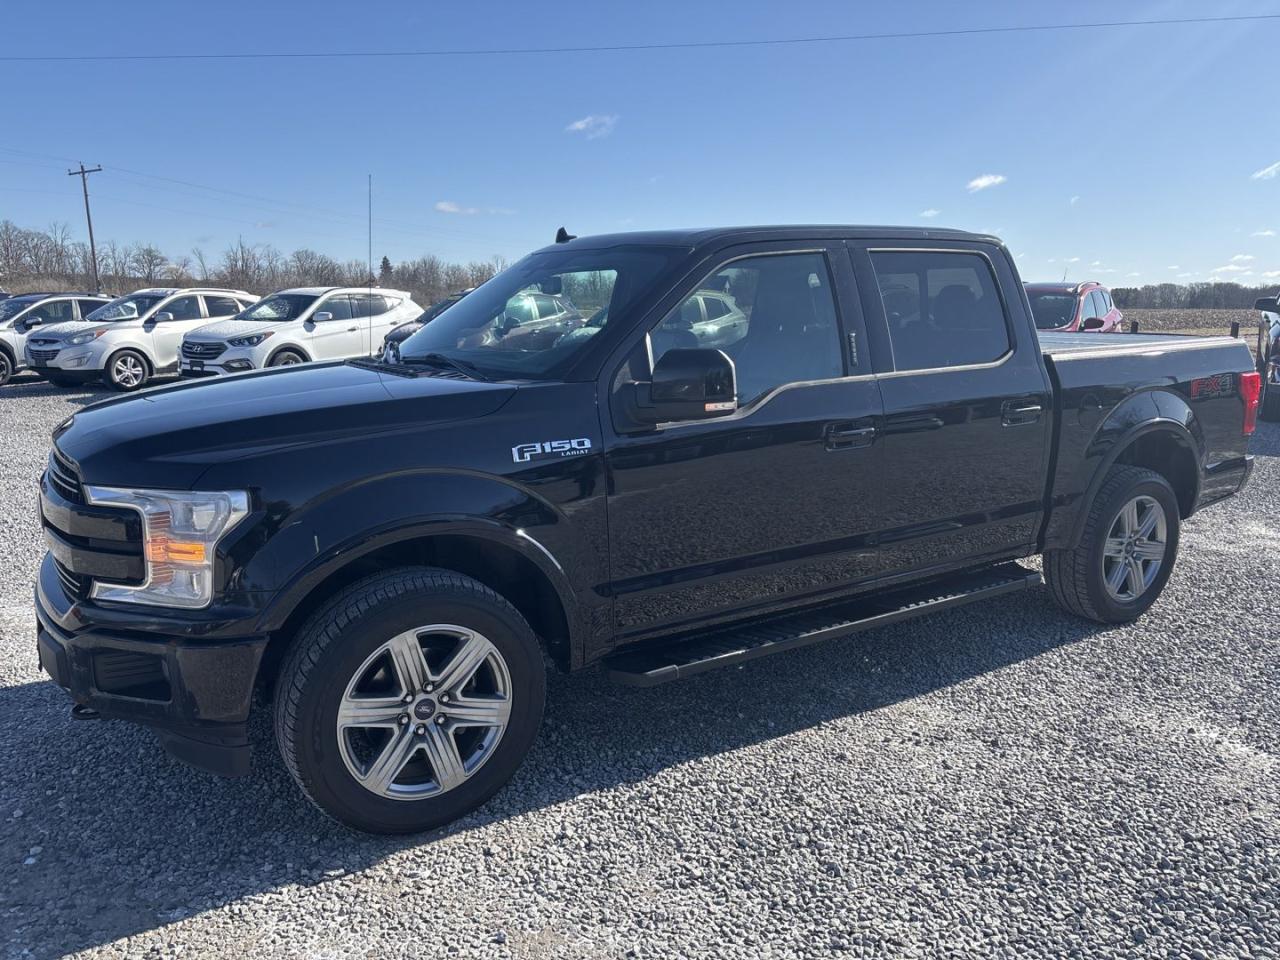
point(1107, 270)
point(1266, 173)
point(1075, 199)
point(594, 126)
point(1272, 274)
point(448, 206)
point(1231, 268)
point(1242, 258)
point(1096, 263)
point(1183, 276)
point(1263, 233)
point(1174, 267)
point(1134, 274)
point(1072, 260)
point(992, 180)
point(929, 213)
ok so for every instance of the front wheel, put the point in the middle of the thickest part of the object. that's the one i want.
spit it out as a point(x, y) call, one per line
point(127, 370)
point(286, 358)
point(6, 368)
point(409, 700)
point(1127, 550)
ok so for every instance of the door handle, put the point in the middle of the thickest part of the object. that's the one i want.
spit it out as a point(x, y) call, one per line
point(848, 436)
point(1014, 413)
point(352, 329)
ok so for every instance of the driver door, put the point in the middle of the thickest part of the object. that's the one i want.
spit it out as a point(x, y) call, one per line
point(339, 336)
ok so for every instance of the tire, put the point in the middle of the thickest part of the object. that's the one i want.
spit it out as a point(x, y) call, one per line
point(286, 358)
point(337, 658)
point(126, 371)
point(1078, 577)
point(6, 368)
point(1269, 407)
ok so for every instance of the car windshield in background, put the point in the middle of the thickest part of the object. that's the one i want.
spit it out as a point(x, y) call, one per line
point(1052, 310)
point(124, 308)
point(279, 306)
point(524, 322)
point(12, 307)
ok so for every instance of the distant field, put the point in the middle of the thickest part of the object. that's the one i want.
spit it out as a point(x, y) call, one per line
point(1193, 321)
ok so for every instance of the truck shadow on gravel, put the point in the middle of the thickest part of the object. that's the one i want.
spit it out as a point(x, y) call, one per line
point(106, 837)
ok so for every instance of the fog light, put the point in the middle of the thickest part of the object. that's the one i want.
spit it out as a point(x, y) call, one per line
point(238, 365)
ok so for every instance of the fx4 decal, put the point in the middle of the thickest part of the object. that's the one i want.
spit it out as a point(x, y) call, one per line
point(525, 452)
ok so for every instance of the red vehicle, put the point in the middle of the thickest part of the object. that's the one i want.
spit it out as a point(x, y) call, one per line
point(1074, 307)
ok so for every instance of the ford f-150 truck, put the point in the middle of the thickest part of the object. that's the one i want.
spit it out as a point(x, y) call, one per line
point(392, 553)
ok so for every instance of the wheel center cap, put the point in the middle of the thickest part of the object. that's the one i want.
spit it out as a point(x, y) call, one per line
point(424, 709)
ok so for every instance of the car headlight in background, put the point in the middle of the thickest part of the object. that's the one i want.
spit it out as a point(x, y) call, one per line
point(179, 533)
point(252, 340)
point(80, 339)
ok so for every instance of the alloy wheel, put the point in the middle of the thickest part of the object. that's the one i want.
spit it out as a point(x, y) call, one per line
point(1135, 549)
point(128, 371)
point(424, 712)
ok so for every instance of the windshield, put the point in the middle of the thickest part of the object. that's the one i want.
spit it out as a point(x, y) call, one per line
point(520, 323)
point(278, 307)
point(11, 308)
point(1052, 310)
point(124, 308)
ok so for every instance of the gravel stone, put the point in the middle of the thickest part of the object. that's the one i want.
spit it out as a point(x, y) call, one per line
point(1001, 781)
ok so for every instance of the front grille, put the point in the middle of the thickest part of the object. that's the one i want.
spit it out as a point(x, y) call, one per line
point(64, 478)
point(202, 351)
point(42, 356)
point(197, 374)
point(76, 586)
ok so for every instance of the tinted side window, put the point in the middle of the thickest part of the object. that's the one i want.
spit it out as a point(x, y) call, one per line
point(1099, 304)
point(943, 309)
point(184, 308)
point(340, 307)
point(791, 329)
point(221, 306)
point(52, 311)
point(715, 307)
point(520, 309)
point(88, 306)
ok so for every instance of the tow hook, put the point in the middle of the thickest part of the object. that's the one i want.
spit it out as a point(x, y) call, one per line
point(80, 712)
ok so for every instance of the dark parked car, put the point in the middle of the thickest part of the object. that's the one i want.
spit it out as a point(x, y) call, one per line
point(1074, 307)
point(1269, 356)
point(394, 552)
point(398, 335)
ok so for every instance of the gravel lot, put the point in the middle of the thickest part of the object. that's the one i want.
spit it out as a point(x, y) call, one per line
point(1001, 781)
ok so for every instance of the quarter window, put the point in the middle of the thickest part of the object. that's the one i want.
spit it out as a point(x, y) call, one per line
point(221, 306)
point(787, 331)
point(715, 307)
point(942, 308)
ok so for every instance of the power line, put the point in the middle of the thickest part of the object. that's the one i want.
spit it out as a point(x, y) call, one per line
point(626, 47)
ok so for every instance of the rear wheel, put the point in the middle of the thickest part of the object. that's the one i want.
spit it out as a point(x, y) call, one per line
point(1127, 550)
point(286, 358)
point(127, 370)
point(6, 368)
point(409, 699)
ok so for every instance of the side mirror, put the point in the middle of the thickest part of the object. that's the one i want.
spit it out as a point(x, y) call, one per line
point(1093, 323)
point(164, 316)
point(507, 323)
point(1267, 304)
point(695, 384)
point(321, 317)
point(552, 285)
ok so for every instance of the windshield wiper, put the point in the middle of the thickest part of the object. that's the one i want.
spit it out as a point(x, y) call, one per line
point(443, 360)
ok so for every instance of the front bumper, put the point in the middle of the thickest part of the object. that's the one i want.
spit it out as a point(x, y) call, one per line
point(230, 360)
point(195, 694)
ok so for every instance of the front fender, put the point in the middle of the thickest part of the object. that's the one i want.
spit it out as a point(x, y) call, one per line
point(337, 529)
point(1087, 450)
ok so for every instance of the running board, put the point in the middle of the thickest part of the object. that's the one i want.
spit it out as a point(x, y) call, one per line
point(675, 660)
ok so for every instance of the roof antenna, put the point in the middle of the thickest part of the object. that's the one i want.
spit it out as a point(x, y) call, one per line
point(564, 236)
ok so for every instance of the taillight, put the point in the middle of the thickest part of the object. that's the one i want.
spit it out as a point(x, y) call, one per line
point(1250, 390)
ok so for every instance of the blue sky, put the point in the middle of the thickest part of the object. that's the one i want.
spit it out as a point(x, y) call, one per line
point(1131, 155)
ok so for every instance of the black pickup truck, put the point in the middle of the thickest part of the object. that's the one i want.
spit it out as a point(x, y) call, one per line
point(394, 552)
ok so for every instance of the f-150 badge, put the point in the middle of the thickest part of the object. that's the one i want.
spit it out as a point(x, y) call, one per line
point(526, 452)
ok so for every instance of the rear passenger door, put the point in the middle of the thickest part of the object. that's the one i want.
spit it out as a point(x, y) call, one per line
point(967, 415)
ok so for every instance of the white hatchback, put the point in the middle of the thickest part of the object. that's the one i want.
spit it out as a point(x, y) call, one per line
point(131, 339)
point(298, 326)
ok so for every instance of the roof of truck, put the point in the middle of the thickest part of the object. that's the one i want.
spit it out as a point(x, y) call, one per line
point(705, 235)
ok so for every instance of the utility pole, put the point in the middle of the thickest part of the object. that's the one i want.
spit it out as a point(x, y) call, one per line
point(83, 174)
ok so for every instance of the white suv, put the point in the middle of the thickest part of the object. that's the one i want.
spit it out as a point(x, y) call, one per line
point(29, 311)
point(298, 326)
point(130, 339)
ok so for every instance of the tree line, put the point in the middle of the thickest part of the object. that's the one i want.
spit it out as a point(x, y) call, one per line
point(1190, 296)
point(51, 260)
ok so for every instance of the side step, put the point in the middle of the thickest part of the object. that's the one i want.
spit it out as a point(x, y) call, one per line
point(697, 653)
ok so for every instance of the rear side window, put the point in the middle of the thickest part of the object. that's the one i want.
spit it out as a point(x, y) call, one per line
point(715, 307)
point(221, 306)
point(88, 306)
point(943, 309)
point(184, 308)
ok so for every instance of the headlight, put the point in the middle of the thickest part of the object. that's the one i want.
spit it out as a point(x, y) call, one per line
point(179, 533)
point(82, 338)
point(250, 341)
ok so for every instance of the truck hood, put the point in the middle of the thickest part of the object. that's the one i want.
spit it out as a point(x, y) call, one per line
point(225, 329)
point(168, 436)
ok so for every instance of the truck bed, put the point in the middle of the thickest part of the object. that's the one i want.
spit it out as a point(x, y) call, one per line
point(1062, 346)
